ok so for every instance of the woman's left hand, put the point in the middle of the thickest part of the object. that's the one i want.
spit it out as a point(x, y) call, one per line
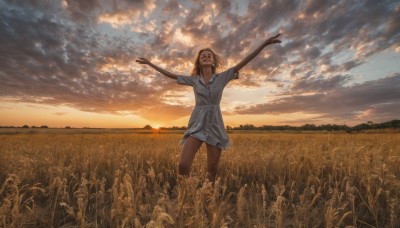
point(272, 40)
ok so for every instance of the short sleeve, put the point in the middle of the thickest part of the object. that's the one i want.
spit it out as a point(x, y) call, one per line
point(229, 75)
point(185, 80)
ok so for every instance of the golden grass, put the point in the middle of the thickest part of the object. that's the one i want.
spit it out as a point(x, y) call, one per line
point(264, 180)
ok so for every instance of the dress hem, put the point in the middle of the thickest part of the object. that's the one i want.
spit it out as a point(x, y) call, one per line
point(183, 140)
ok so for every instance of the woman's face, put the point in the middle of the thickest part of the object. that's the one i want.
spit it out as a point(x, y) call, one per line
point(206, 58)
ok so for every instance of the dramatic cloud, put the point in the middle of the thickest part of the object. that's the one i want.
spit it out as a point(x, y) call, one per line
point(81, 54)
point(352, 102)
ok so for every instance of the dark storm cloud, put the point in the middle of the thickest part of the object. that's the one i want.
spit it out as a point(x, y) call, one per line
point(61, 52)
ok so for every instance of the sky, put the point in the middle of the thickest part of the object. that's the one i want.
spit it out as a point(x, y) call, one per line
point(72, 63)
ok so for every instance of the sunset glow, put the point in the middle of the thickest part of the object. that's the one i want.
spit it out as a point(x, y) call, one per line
point(72, 63)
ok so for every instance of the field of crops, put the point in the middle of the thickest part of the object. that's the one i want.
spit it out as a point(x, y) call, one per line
point(264, 180)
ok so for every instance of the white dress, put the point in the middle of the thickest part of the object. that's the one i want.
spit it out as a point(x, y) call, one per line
point(206, 123)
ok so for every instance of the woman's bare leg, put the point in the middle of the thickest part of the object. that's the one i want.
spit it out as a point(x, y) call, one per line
point(189, 150)
point(213, 155)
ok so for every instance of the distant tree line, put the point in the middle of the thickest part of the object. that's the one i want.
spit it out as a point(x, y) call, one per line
point(149, 127)
point(25, 126)
point(393, 124)
point(174, 128)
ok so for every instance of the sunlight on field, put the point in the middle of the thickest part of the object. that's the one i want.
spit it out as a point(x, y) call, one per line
point(265, 180)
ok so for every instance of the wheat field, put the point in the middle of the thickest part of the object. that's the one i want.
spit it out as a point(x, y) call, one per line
point(264, 180)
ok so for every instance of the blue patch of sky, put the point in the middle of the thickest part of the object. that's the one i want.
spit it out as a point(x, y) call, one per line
point(342, 57)
point(239, 7)
point(326, 49)
point(188, 4)
point(124, 32)
point(377, 66)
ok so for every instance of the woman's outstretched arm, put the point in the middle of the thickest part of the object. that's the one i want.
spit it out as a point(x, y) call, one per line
point(251, 56)
point(159, 69)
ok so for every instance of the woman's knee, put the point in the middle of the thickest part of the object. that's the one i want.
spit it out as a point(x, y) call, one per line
point(213, 156)
point(184, 168)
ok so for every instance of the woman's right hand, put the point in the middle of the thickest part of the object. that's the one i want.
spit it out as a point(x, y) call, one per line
point(142, 60)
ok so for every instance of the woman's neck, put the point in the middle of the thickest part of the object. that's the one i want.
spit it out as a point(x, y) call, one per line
point(207, 71)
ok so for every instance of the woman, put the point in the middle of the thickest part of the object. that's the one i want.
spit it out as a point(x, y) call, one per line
point(206, 124)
